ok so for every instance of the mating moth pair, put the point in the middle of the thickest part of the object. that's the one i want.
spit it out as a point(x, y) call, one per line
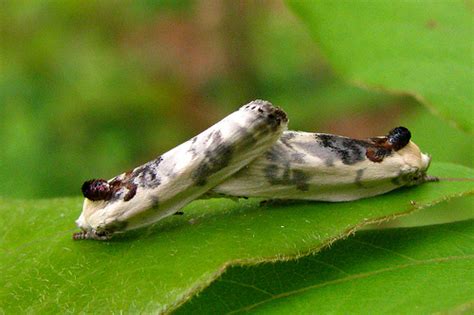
point(250, 154)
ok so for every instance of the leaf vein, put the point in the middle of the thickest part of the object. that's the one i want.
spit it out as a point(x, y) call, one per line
point(353, 277)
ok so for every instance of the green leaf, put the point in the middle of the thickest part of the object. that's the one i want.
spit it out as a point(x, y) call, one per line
point(421, 48)
point(458, 209)
point(428, 129)
point(396, 271)
point(157, 269)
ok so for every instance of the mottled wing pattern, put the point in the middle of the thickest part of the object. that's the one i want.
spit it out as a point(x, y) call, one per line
point(315, 166)
point(163, 186)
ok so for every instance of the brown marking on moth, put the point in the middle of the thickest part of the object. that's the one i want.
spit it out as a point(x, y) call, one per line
point(381, 147)
point(132, 190)
point(396, 139)
point(380, 142)
point(116, 185)
point(351, 151)
point(374, 154)
point(100, 189)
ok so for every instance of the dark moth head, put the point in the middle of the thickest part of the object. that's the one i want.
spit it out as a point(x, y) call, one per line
point(399, 137)
point(96, 189)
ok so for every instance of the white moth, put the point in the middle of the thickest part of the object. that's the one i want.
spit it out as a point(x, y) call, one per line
point(326, 167)
point(163, 186)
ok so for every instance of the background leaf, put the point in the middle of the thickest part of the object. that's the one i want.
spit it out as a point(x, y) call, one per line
point(416, 47)
point(108, 87)
point(395, 271)
point(156, 269)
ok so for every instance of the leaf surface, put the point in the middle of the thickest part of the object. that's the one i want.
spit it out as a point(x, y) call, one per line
point(159, 268)
point(419, 48)
point(395, 271)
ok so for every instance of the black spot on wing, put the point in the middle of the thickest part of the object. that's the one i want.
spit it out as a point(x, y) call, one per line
point(281, 173)
point(349, 151)
point(326, 140)
point(217, 156)
point(147, 175)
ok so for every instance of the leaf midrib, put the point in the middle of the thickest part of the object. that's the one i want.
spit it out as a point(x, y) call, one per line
point(349, 278)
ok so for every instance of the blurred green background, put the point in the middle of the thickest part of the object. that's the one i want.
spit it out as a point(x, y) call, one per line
point(90, 89)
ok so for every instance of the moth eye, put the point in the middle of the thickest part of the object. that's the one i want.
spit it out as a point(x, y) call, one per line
point(399, 137)
point(96, 189)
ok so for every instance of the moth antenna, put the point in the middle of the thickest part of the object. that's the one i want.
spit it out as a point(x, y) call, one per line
point(454, 179)
point(429, 178)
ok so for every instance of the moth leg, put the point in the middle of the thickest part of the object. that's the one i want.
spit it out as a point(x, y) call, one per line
point(275, 202)
point(82, 235)
point(91, 235)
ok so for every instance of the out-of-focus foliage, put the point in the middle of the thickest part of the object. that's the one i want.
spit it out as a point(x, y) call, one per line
point(420, 48)
point(91, 89)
